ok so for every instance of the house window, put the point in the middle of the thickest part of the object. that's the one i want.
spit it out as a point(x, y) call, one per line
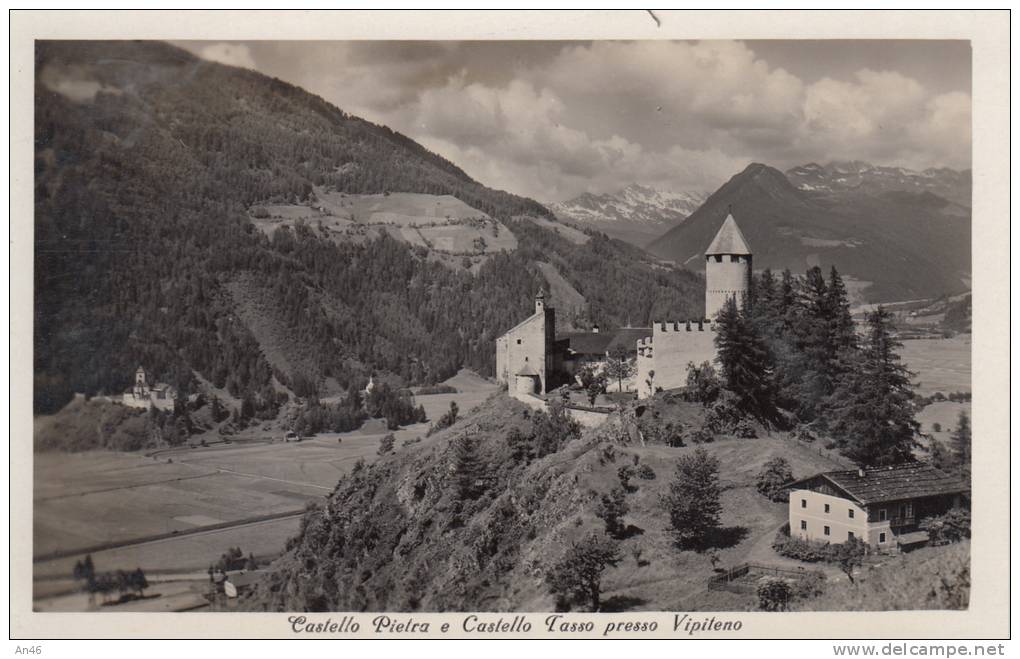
point(825, 530)
point(850, 512)
point(849, 535)
point(882, 515)
point(803, 525)
point(734, 258)
point(826, 507)
point(803, 503)
point(518, 342)
point(881, 538)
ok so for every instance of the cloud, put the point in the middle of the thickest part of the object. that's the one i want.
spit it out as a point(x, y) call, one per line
point(553, 120)
point(232, 54)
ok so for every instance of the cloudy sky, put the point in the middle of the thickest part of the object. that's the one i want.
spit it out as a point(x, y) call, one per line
point(551, 120)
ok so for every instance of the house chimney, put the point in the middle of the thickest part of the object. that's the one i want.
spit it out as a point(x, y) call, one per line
point(860, 472)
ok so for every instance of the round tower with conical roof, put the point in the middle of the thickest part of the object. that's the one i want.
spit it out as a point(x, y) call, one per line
point(727, 268)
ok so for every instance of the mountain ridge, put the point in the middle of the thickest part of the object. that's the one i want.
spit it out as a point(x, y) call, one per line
point(894, 244)
point(634, 213)
point(149, 166)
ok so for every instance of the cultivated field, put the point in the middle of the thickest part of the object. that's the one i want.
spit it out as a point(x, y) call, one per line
point(939, 364)
point(82, 500)
point(441, 223)
point(945, 413)
point(575, 236)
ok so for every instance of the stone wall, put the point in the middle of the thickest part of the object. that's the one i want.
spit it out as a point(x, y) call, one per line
point(673, 346)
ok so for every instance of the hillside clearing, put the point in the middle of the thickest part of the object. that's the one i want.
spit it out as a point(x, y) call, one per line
point(572, 234)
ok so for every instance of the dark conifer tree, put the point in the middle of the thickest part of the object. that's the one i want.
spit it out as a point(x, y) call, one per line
point(960, 443)
point(745, 362)
point(468, 469)
point(842, 329)
point(871, 410)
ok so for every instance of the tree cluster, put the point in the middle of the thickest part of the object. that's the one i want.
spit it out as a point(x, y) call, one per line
point(790, 353)
point(123, 582)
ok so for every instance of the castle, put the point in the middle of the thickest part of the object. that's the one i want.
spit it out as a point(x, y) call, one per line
point(663, 357)
point(141, 395)
point(531, 361)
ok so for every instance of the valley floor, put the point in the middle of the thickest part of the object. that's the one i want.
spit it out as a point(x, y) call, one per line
point(176, 511)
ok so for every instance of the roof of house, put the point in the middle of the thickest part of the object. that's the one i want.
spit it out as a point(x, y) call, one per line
point(599, 343)
point(588, 343)
point(729, 240)
point(907, 481)
point(628, 337)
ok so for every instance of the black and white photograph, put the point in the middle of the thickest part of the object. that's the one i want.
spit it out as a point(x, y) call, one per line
point(575, 326)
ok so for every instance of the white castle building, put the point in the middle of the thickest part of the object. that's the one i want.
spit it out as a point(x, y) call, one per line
point(662, 359)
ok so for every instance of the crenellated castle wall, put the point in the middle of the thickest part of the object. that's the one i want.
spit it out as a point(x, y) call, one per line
point(672, 346)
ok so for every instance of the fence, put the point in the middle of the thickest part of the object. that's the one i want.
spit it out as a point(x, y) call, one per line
point(736, 579)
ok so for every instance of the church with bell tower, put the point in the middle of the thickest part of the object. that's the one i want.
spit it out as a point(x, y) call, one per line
point(526, 355)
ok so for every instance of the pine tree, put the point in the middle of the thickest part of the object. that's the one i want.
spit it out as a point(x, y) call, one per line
point(960, 443)
point(745, 361)
point(842, 329)
point(468, 470)
point(871, 410)
point(693, 499)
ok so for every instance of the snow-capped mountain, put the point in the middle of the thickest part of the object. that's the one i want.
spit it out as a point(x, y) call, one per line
point(633, 214)
point(855, 175)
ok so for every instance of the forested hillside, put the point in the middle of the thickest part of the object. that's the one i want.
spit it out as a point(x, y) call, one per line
point(147, 163)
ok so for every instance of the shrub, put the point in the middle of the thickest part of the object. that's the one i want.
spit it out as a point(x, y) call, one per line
point(611, 509)
point(953, 526)
point(936, 427)
point(744, 430)
point(553, 430)
point(773, 594)
point(645, 472)
point(774, 474)
point(799, 549)
point(847, 555)
point(703, 385)
point(386, 444)
point(810, 584)
point(625, 473)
